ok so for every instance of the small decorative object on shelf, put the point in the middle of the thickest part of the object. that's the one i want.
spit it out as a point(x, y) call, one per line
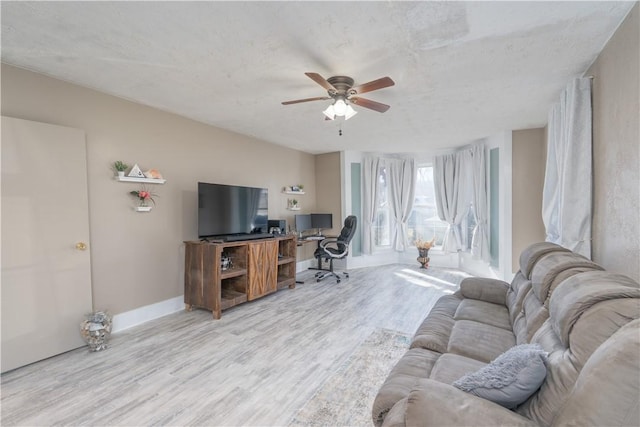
point(153, 174)
point(96, 330)
point(294, 189)
point(292, 205)
point(120, 167)
point(225, 261)
point(144, 197)
point(136, 172)
point(423, 251)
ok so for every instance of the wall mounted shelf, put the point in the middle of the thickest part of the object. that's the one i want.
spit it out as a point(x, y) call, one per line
point(293, 192)
point(143, 208)
point(294, 208)
point(140, 180)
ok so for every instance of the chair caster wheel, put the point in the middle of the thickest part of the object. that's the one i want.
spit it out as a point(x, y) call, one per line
point(318, 280)
point(337, 281)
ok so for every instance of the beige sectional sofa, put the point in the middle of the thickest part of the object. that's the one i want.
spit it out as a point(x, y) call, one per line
point(583, 317)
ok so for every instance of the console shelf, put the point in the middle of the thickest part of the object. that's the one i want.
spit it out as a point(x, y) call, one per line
point(258, 268)
point(233, 272)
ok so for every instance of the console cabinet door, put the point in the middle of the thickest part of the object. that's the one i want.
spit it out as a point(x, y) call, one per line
point(263, 269)
point(271, 266)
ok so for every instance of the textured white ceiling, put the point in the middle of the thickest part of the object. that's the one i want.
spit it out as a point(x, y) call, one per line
point(463, 70)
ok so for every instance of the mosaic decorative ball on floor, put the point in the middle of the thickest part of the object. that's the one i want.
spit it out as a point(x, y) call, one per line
point(96, 330)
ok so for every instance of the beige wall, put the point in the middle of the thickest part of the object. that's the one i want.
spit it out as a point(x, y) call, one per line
point(329, 188)
point(328, 197)
point(616, 148)
point(137, 259)
point(528, 162)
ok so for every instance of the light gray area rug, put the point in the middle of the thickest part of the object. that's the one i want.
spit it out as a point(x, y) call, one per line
point(346, 398)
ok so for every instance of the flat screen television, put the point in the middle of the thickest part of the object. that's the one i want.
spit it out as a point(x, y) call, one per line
point(225, 210)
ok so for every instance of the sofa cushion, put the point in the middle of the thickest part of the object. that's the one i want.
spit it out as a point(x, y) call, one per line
point(450, 367)
point(479, 341)
point(581, 292)
point(485, 289)
point(585, 311)
point(510, 379)
point(442, 405)
point(414, 366)
point(532, 253)
point(518, 290)
point(433, 333)
point(484, 312)
point(607, 391)
point(551, 265)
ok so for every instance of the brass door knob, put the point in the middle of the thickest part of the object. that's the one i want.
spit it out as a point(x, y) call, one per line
point(81, 246)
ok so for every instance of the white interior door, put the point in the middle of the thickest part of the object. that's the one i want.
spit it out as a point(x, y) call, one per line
point(46, 267)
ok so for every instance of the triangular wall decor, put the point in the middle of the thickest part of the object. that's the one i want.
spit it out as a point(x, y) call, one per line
point(136, 172)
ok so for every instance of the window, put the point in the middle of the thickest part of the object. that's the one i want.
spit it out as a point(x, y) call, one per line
point(424, 222)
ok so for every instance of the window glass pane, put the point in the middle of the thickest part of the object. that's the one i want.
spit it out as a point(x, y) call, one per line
point(424, 222)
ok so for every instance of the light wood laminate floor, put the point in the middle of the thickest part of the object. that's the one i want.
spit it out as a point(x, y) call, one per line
point(258, 365)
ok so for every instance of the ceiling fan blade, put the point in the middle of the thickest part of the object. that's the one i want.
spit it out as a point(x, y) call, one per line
point(373, 85)
point(367, 103)
point(297, 101)
point(321, 81)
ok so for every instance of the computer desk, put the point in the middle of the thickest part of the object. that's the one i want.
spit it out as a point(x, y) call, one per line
point(317, 239)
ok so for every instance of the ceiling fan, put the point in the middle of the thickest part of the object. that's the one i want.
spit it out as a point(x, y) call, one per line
point(344, 93)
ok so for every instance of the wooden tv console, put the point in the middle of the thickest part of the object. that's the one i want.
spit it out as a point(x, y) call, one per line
point(258, 268)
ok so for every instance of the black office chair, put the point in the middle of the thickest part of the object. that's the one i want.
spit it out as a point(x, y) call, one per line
point(336, 248)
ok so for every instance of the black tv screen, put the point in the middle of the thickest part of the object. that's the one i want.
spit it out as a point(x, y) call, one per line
point(231, 209)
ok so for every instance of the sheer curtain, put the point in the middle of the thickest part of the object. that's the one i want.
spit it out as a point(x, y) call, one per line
point(402, 188)
point(566, 198)
point(480, 242)
point(370, 167)
point(452, 183)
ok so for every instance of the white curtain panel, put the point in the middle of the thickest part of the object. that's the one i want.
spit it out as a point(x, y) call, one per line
point(566, 198)
point(451, 181)
point(370, 168)
point(402, 189)
point(480, 242)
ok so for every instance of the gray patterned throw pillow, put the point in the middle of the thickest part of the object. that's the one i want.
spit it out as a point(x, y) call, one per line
point(511, 378)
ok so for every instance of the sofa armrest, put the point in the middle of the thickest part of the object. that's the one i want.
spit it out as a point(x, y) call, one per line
point(440, 404)
point(484, 289)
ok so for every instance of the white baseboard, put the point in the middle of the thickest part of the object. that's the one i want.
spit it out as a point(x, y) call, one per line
point(144, 314)
point(304, 265)
point(137, 316)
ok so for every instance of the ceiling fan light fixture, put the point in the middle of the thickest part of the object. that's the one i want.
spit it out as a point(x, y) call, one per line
point(330, 112)
point(350, 112)
point(340, 107)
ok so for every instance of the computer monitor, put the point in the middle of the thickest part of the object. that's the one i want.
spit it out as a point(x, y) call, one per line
point(321, 221)
point(303, 222)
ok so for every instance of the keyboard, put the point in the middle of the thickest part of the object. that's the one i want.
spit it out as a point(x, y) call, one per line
point(314, 238)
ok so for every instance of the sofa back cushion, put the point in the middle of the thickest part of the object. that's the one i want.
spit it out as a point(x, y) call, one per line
point(607, 391)
point(518, 289)
point(532, 253)
point(549, 271)
point(585, 311)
